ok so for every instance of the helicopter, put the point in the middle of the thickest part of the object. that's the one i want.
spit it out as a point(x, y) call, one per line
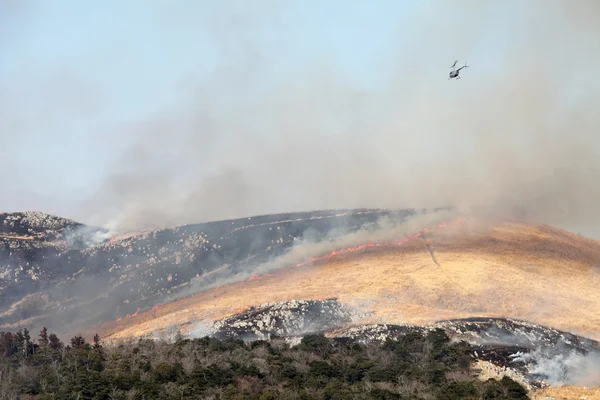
point(454, 73)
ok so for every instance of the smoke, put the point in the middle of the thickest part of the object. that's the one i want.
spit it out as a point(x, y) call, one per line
point(384, 230)
point(572, 368)
point(558, 364)
point(86, 236)
point(201, 329)
point(519, 139)
point(516, 135)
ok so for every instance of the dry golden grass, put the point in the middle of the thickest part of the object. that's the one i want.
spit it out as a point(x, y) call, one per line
point(509, 269)
point(567, 393)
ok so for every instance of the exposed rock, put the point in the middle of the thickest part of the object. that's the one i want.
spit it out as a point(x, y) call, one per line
point(289, 318)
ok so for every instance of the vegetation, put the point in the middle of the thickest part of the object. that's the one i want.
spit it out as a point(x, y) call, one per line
point(413, 367)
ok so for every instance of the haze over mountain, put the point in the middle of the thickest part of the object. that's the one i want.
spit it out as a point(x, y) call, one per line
point(276, 107)
point(290, 167)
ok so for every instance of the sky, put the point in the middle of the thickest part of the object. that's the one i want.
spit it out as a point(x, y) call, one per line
point(122, 62)
point(144, 113)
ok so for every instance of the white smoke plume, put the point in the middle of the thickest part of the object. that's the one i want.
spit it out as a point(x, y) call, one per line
point(571, 368)
point(517, 137)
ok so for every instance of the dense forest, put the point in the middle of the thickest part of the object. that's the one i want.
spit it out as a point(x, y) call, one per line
point(412, 367)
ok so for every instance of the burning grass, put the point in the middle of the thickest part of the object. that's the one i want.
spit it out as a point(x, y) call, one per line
point(509, 269)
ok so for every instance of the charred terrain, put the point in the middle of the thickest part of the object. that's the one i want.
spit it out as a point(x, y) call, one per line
point(522, 295)
point(59, 273)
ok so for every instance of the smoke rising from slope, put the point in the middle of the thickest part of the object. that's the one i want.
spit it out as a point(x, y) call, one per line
point(382, 231)
point(518, 134)
point(521, 139)
point(569, 368)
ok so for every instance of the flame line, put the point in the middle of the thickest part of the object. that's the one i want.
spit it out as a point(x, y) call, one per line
point(367, 245)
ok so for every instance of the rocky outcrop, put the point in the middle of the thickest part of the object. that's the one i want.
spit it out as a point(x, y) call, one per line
point(290, 318)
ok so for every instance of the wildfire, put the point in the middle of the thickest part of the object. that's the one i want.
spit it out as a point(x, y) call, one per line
point(334, 253)
point(368, 245)
point(384, 244)
point(256, 277)
point(242, 309)
point(129, 315)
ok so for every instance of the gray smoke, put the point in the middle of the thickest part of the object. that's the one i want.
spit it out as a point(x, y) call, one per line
point(518, 138)
point(571, 368)
point(87, 236)
point(382, 231)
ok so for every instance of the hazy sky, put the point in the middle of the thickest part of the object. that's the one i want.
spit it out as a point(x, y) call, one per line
point(74, 72)
point(144, 112)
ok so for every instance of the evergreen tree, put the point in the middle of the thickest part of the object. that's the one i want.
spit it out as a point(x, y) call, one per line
point(43, 340)
point(78, 342)
point(55, 342)
point(97, 345)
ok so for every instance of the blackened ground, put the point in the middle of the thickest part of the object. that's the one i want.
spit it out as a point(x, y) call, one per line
point(32, 245)
point(109, 280)
point(518, 333)
point(36, 224)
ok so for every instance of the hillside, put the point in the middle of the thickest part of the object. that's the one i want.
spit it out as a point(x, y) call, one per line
point(517, 291)
point(64, 275)
point(506, 269)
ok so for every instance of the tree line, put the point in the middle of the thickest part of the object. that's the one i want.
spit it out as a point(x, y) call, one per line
point(415, 366)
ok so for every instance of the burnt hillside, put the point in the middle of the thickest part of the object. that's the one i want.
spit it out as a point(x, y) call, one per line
point(54, 271)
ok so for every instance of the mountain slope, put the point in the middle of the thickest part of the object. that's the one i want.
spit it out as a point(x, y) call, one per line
point(65, 275)
point(507, 269)
point(506, 286)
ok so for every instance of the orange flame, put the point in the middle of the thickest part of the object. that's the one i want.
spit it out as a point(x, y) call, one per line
point(241, 309)
point(256, 277)
point(130, 315)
